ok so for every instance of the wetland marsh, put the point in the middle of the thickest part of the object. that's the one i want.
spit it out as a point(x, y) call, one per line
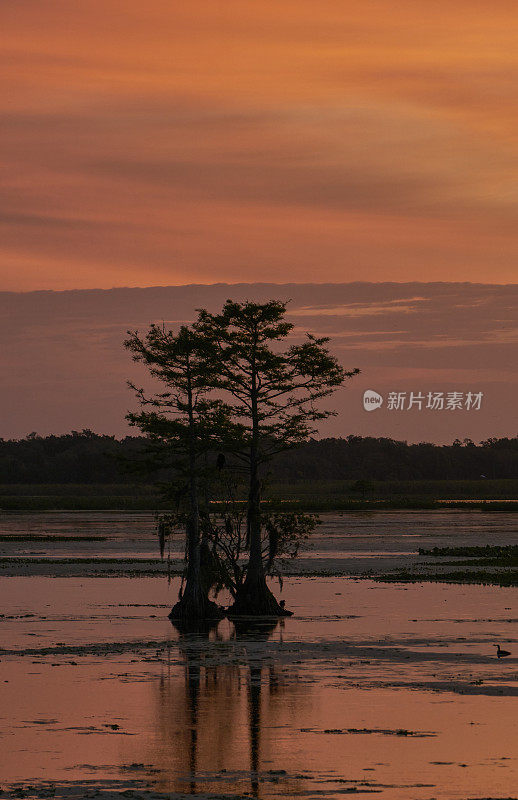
point(370, 688)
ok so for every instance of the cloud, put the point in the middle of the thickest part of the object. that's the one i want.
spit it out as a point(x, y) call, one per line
point(176, 142)
point(67, 369)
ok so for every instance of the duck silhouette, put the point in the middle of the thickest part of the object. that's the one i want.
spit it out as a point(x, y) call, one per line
point(501, 653)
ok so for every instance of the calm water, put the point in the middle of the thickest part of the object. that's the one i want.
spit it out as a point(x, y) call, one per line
point(340, 535)
point(385, 689)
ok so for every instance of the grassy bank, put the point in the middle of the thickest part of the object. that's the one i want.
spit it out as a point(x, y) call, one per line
point(483, 489)
point(311, 496)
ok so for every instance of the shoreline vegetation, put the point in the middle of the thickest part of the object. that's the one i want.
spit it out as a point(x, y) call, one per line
point(140, 568)
point(495, 565)
point(484, 495)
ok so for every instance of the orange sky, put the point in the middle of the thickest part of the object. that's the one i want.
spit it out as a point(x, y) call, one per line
point(172, 142)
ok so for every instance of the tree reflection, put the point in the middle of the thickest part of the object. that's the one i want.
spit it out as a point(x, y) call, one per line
point(253, 631)
point(216, 710)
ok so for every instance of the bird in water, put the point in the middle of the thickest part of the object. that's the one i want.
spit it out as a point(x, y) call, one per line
point(501, 653)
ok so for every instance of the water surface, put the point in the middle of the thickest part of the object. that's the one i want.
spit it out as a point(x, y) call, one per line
point(369, 688)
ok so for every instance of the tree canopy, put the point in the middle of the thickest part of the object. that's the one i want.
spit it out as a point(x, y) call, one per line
point(273, 389)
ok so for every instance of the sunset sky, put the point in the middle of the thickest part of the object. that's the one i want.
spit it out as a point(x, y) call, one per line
point(67, 369)
point(284, 140)
point(186, 144)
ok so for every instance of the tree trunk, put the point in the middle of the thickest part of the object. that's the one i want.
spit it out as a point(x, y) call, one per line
point(254, 597)
point(194, 603)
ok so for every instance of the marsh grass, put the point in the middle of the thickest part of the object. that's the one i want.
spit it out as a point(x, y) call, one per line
point(43, 537)
point(503, 556)
point(483, 577)
point(488, 556)
point(486, 489)
point(339, 495)
point(509, 551)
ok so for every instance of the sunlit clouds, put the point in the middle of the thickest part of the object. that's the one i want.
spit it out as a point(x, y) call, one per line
point(212, 141)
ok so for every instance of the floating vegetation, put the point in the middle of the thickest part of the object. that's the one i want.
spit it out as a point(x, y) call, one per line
point(44, 537)
point(379, 731)
point(484, 577)
point(488, 551)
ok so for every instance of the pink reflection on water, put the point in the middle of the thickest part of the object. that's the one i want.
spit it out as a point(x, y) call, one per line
point(313, 705)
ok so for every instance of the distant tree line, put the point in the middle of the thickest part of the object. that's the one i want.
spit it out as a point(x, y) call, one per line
point(76, 457)
point(380, 459)
point(87, 457)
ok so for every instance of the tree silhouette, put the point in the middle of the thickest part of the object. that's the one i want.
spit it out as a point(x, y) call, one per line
point(182, 425)
point(273, 395)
